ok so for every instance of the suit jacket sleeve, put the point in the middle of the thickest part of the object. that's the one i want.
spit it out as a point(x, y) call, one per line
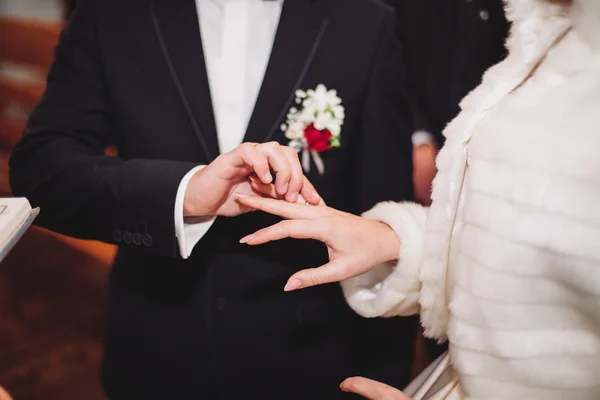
point(60, 163)
point(382, 155)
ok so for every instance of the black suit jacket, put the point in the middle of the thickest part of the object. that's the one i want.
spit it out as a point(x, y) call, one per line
point(218, 325)
point(448, 45)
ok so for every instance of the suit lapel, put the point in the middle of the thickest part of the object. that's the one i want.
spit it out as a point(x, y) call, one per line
point(302, 26)
point(177, 27)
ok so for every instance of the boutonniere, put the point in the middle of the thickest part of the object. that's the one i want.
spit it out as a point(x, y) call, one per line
point(315, 125)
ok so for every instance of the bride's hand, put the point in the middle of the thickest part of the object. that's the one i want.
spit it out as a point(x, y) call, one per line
point(373, 390)
point(355, 244)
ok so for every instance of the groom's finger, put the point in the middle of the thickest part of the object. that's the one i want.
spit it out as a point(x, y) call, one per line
point(269, 190)
point(372, 390)
point(247, 156)
point(309, 192)
point(264, 189)
point(297, 180)
point(280, 164)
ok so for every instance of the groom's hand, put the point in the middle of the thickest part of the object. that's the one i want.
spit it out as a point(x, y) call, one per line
point(214, 189)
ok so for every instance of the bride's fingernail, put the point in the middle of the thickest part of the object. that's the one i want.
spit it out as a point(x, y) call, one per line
point(294, 197)
point(246, 239)
point(268, 177)
point(293, 285)
point(284, 188)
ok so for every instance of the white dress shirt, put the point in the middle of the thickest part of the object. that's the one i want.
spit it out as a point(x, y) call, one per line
point(237, 37)
point(422, 137)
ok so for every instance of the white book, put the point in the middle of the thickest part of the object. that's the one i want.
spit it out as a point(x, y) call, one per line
point(16, 215)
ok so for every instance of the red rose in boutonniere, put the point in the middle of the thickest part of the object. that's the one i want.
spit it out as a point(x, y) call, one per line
point(317, 140)
point(317, 126)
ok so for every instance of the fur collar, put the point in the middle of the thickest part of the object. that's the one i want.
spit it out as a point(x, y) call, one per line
point(584, 15)
point(519, 10)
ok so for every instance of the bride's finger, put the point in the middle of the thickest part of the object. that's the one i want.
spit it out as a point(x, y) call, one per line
point(296, 229)
point(284, 209)
point(335, 271)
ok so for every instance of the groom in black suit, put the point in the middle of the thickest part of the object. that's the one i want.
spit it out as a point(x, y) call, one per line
point(172, 84)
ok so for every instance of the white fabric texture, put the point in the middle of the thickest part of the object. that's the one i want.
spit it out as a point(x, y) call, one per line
point(189, 231)
point(237, 37)
point(510, 272)
point(422, 137)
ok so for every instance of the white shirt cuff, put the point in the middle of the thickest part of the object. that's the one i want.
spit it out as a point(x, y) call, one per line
point(422, 137)
point(190, 230)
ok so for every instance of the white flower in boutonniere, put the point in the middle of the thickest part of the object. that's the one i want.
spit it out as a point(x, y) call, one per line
point(315, 127)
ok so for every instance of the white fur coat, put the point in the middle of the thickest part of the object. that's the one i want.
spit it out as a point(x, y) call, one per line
point(506, 262)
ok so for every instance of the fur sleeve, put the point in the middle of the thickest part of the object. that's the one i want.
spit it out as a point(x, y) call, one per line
point(392, 289)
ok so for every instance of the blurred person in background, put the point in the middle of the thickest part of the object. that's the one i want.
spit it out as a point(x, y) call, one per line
point(177, 86)
point(448, 45)
point(69, 7)
point(505, 264)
